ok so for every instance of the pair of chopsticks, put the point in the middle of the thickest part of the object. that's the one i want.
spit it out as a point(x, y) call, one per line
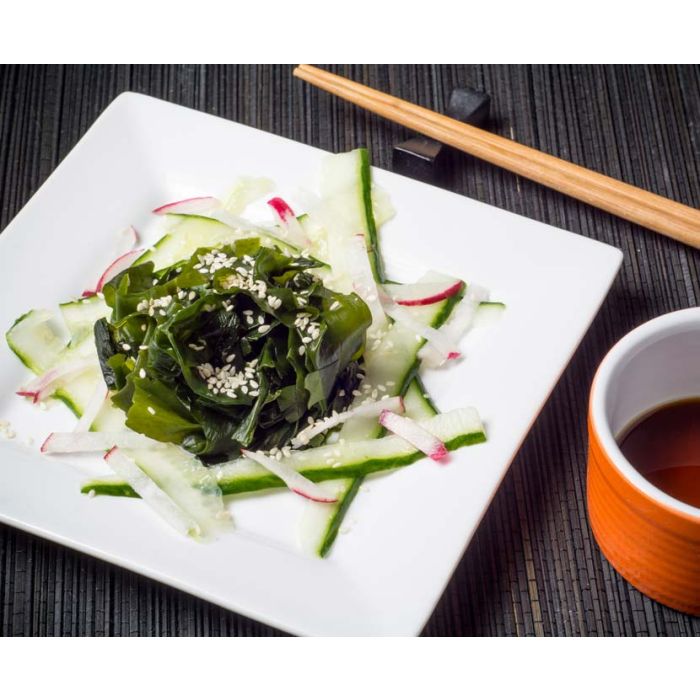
point(650, 210)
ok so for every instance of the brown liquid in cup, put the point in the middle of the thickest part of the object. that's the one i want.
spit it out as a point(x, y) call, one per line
point(664, 446)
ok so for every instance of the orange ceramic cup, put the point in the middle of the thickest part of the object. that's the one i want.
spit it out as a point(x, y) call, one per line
point(652, 539)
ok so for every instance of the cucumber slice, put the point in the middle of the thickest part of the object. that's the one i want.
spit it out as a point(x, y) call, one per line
point(417, 403)
point(80, 315)
point(37, 340)
point(456, 429)
point(109, 419)
point(76, 394)
point(190, 232)
point(346, 187)
point(488, 312)
point(188, 484)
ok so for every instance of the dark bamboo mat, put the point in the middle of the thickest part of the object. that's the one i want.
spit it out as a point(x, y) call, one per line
point(533, 567)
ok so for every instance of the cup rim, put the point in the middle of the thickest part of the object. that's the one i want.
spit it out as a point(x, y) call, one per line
point(624, 347)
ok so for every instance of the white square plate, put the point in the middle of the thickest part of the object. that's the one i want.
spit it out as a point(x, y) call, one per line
point(410, 528)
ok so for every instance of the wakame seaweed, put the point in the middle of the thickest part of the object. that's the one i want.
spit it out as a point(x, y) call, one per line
point(239, 346)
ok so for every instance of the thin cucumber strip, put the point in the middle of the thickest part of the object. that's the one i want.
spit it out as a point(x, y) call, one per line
point(80, 315)
point(191, 231)
point(371, 238)
point(417, 402)
point(36, 340)
point(353, 459)
point(350, 489)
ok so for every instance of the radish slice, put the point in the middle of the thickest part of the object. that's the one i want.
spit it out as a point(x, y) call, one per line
point(113, 269)
point(395, 403)
point(128, 239)
point(422, 293)
point(282, 209)
point(414, 433)
point(193, 205)
point(151, 493)
point(294, 480)
point(288, 221)
point(119, 265)
point(60, 443)
point(442, 343)
point(43, 386)
point(93, 407)
point(131, 238)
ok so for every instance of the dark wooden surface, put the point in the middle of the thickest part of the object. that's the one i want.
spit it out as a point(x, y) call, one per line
point(533, 567)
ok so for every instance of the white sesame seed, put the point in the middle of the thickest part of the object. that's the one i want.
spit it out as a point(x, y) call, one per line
point(301, 350)
point(151, 410)
point(126, 346)
point(142, 373)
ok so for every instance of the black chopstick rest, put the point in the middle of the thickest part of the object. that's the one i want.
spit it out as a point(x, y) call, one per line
point(421, 157)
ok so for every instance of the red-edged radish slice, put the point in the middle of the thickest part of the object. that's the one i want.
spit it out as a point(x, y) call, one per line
point(422, 293)
point(63, 443)
point(113, 269)
point(193, 205)
point(442, 343)
point(128, 239)
point(93, 407)
point(288, 220)
point(119, 265)
point(42, 387)
point(151, 493)
point(415, 434)
point(282, 209)
point(395, 403)
point(294, 480)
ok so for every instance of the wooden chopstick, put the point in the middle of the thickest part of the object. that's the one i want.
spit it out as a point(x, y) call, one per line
point(650, 210)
